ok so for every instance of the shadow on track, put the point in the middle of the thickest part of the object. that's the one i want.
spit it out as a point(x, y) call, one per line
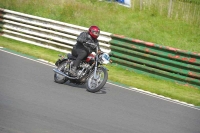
point(102, 91)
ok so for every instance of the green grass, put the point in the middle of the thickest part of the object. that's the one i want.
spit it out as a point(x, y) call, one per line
point(116, 74)
point(145, 25)
point(110, 17)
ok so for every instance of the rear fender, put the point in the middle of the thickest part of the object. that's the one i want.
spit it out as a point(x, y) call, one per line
point(59, 61)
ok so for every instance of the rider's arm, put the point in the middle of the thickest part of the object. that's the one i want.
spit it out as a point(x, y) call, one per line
point(98, 46)
point(99, 49)
point(97, 42)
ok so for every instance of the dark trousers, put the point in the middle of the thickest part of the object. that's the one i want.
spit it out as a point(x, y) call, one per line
point(80, 54)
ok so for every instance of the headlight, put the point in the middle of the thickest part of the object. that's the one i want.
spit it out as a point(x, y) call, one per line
point(104, 58)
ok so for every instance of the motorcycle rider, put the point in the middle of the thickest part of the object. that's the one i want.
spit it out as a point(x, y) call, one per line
point(81, 50)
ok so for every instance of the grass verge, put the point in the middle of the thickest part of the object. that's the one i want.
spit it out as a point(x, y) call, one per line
point(116, 74)
point(147, 25)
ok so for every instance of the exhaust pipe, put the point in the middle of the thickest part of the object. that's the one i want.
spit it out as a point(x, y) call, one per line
point(61, 73)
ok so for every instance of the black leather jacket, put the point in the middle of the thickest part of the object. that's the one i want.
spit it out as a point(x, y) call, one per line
point(83, 38)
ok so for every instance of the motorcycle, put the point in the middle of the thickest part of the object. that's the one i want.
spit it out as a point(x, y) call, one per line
point(90, 72)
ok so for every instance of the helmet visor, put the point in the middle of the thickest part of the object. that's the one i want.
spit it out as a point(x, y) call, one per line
point(96, 33)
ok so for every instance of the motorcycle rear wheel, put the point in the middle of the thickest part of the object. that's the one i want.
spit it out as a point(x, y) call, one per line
point(59, 78)
point(95, 85)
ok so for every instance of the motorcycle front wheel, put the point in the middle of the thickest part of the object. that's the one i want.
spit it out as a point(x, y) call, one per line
point(94, 85)
point(59, 78)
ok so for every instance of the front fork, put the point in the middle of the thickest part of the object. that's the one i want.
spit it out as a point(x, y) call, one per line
point(95, 68)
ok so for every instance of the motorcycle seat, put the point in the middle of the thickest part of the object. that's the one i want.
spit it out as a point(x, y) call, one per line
point(71, 57)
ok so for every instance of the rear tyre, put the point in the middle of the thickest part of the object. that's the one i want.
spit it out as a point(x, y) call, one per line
point(59, 78)
point(95, 85)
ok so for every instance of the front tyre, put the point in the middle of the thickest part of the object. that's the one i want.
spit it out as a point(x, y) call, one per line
point(94, 85)
point(59, 78)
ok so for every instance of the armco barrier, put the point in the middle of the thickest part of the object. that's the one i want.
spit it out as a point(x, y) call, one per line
point(160, 61)
point(144, 57)
point(44, 32)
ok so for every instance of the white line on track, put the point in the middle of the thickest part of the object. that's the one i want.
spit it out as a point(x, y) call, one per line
point(129, 88)
point(158, 96)
point(39, 61)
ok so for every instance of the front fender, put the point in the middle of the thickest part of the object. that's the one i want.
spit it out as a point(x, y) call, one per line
point(104, 68)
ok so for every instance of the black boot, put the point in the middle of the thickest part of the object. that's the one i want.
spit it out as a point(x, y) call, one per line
point(73, 71)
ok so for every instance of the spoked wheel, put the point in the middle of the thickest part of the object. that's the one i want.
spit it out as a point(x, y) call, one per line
point(94, 85)
point(59, 78)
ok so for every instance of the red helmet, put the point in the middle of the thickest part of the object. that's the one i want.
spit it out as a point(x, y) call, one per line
point(94, 32)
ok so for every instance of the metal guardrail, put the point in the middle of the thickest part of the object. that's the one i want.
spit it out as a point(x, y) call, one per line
point(159, 61)
point(44, 32)
point(143, 57)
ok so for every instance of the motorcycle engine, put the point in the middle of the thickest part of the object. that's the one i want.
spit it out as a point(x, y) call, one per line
point(82, 69)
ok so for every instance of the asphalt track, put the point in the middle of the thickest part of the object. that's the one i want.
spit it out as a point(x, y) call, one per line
point(31, 102)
